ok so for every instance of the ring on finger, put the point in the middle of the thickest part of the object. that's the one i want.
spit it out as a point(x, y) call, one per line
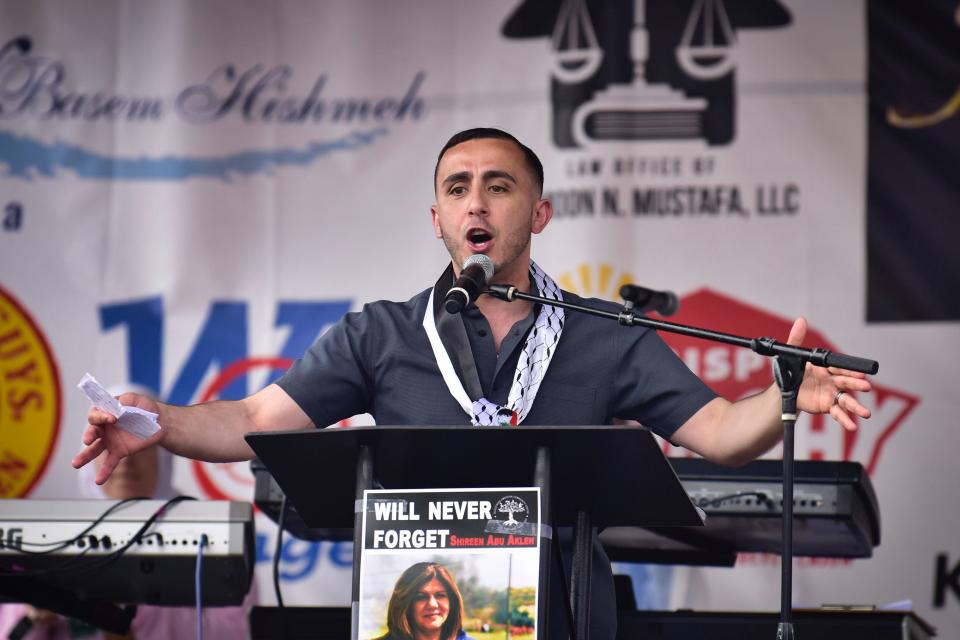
point(836, 397)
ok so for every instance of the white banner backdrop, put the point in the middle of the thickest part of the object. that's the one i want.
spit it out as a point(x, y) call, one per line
point(192, 192)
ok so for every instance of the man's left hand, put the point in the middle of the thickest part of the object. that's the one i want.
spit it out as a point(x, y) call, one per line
point(829, 389)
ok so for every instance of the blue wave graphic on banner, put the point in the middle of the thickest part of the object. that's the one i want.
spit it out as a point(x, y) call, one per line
point(26, 158)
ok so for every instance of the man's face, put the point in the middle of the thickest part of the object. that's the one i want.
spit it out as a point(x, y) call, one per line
point(431, 607)
point(488, 202)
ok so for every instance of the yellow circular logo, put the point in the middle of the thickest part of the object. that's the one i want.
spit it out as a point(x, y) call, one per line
point(30, 401)
point(601, 282)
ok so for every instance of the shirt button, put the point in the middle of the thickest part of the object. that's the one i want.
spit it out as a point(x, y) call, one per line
point(482, 333)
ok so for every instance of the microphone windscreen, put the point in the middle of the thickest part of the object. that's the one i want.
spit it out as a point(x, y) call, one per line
point(480, 260)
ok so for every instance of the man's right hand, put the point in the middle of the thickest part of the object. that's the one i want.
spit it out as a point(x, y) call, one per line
point(103, 434)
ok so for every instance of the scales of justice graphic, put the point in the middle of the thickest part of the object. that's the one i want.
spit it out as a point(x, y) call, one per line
point(640, 110)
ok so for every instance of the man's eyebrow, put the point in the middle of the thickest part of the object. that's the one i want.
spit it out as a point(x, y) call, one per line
point(456, 177)
point(498, 173)
point(490, 174)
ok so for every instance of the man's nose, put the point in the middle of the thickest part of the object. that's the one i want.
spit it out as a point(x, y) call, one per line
point(478, 205)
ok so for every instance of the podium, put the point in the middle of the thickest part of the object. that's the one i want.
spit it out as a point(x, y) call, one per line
point(588, 477)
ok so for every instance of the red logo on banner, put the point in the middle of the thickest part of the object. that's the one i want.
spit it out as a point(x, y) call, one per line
point(735, 372)
point(232, 480)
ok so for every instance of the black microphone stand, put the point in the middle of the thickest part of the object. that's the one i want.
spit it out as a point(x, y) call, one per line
point(789, 365)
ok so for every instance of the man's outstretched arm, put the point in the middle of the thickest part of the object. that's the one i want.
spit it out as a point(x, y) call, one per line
point(212, 431)
point(734, 433)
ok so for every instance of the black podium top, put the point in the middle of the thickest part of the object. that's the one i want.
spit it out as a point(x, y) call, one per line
point(616, 474)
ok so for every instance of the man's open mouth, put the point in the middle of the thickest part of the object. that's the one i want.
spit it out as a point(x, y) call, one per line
point(478, 239)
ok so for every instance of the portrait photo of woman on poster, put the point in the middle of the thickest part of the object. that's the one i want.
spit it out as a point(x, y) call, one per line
point(425, 605)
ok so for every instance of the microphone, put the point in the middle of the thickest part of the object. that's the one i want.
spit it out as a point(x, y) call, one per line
point(665, 303)
point(477, 269)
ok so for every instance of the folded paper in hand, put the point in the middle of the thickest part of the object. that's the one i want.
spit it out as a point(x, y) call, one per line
point(134, 420)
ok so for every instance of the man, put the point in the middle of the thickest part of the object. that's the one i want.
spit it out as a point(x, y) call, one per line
point(412, 363)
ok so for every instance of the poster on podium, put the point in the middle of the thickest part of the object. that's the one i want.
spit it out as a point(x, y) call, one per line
point(464, 561)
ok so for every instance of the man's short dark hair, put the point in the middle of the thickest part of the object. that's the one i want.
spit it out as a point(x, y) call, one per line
point(480, 133)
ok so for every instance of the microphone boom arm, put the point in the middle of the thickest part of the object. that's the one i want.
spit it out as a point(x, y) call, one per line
point(763, 346)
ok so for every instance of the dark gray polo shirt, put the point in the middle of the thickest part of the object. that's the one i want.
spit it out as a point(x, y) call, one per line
point(379, 361)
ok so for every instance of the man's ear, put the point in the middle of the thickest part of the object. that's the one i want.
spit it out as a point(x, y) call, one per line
point(434, 217)
point(542, 215)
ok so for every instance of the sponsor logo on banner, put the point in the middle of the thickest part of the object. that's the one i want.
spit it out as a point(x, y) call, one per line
point(602, 281)
point(635, 71)
point(36, 87)
point(230, 480)
point(221, 346)
point(674, 187)
point(30, 402)
point(735, 372)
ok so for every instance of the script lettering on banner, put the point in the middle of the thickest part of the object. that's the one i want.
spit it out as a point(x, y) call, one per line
point(450, 559)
